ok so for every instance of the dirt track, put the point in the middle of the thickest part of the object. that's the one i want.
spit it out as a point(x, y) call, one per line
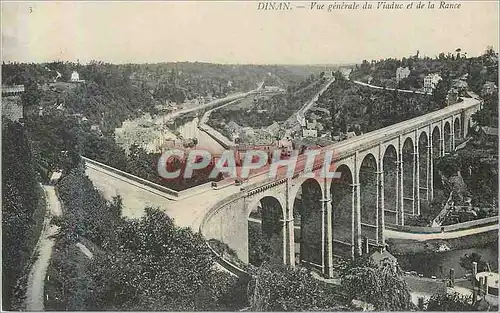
point(36, 278)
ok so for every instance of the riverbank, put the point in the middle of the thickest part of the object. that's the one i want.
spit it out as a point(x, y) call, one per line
point(214, 134)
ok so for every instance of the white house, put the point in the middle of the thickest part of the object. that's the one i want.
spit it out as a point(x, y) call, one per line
point(309, 133)
point(431, 81)
point(75, 77)
point(328, 74)
point(401, 73)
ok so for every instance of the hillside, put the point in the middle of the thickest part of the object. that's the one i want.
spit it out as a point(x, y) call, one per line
point(23, 209)
point(362, 109)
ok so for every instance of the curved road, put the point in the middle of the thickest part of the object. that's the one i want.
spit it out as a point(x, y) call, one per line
point(446, 235)
point(391, 89)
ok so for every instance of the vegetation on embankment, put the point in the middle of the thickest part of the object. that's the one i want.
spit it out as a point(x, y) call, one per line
point(363, 109)
point(23, 210)
point(450, 65)
point(146, 264)
point(471, 173)
point(408, 246)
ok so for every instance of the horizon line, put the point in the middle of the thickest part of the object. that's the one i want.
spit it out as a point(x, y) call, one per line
point(228, 63)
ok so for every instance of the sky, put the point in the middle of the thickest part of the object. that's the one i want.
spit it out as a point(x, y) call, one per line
point(237, 32)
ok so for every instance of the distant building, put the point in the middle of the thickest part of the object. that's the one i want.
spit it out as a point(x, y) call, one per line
point(311, 124)
point(273, 89)
point(328, 74)
point(141, 132)
point(346, 72)
point(488, 135)
point(402, 73)
point(310, 133)
point(489, 287)
point(286, 146)
point(383, 257)
point(12, 90)
point(273, 129)
point(75, 77)
point(489, 88)
point(431, 81)
point(303, 144)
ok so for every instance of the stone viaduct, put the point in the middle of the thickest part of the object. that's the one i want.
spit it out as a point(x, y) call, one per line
point(386, 176)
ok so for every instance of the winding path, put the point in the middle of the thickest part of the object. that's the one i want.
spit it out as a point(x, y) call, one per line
point(35, 289)
point(391, 89)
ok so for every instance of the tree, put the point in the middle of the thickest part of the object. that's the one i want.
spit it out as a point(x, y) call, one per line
point(23, 209)
point(450, 302)
point(440, 92)
point(467, 259)
point(276, 288)
point(489, 51)
point(157, 266)
point(382, 286)
point(417, 220)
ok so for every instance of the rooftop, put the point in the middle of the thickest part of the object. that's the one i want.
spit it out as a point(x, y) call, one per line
point(378, 256)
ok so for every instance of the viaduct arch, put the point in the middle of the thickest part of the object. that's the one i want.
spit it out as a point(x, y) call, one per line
point(386, 175)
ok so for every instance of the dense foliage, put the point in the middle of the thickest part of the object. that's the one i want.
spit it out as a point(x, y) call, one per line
point(146, 264)
point(363, 109)
point(259, 247)
point(57, 141)
point(380, 285)
point(86, 212)
point(478, 166)
point(67, 118)
point(112, 93)
point(23, 208)
point(157, 266)
point(488, 115)
point(450, 65)
point(450, 302)
point(275, 288)
point(467, 259)
point(483, 69)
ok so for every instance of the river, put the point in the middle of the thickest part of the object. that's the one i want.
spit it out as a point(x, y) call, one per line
point(429, 264)
point(205, 142)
